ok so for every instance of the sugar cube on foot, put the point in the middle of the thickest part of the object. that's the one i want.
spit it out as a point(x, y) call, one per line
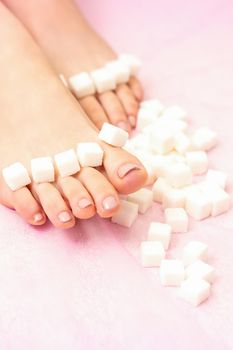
point(160, 232)
point(42, 169)
point(194, 290)
point(193, 251)
point(67, 163)
point(198, 161)
point(81, 85)
point(104, 80)
point(177, 218)
point(152, 253)
point(119, 70)
point(126, 214)
point(113, 135)
point(199, 269)
point(142, 197)
point(90, 154)
point(171, 272)
point(16, 176)
point(132, 62)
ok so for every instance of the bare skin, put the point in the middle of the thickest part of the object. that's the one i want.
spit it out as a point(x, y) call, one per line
point(79, 48)
point(39, 117)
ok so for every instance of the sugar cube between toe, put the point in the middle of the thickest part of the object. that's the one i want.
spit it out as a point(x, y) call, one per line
point(16, 176)
point(120, 71)
point(90, 154)
point(104, 80)
point(42, 169)
point(81, 84)
point(113, 135)
point(67, 163)
point(132, 62)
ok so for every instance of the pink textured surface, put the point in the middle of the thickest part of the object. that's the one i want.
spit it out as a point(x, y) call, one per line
point(85, 289)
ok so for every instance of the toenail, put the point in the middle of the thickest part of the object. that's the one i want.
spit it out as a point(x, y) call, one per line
point(38, 217)
point(110, 203)
point(123, 125)
point(132, 120)
point(64, 216)
point(84, 203)
point(126, 168)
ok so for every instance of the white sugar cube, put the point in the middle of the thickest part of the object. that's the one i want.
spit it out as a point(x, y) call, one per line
point(199, 269)
point(67, 163)
point(198, 205)
point(204, 139)
point(194, 290)
point(171, 272)
point(219, 199)
point(103, 79)
point(160, 232)
point(175, 198)
point(178, 175)
point(198, 162)
point(132, 62)
point(81, 84)
point(120, 71)
point(182, 142)
point(152, 253)
point(16, 176)
point(90, 154)
point(218, 177)
point(194, 250)
point(145, 117)
point(175, 112)
point(42, 169)
point(177, 219)
point(142, 197)
point(113, 135)
point(162, 140)
point(159, 188)
point(153, 105)
point(126, 214)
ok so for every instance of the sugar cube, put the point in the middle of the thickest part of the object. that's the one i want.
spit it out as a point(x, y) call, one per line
point(145, 117)
point(178, 175)
point(126, 214)
point(132, 62)
point(113, 135)
point(219, 199)
point(160, 232)
point(218, 177)
point(175, 198)
point(81, 84)
point(194, 250)
point(142, 197)
point(171, 272)
point(204, 139)
point(199, 269)
point(162, 140)
point(90, 154)
point(194, 290)
point(177, 219)
point(182, 142)
point(198, 205)
point(159, 188)
point(120, 71)
point(16, 176)
point(104, 80)
point(175, 112)
point(152, 253)
point(198, 162)
point(153, 105)
point(67, 163)
point(42, 169)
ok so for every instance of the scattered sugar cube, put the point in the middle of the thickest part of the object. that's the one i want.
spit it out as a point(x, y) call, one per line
point(113, 135)
point(120, 71)
point(162, 140)
point(132, 62)
point(175, 198)
point(159, 188)
point(171, 272)
point(204, 139)
point(67, 163)
point(160, 232)
point(198, 205)
point(218, 177)
point(144, 199)
point(103, 79)
point(42, 169)
point(182, 142)
point(199, 269)
point(175, 112)
point(126, 215)
point(152, 253)
point(194, 290)
point(177, 219)
point(219, 199)
point(194, 250)
point(81, 84)
point(198, 162)
point(16, 176)
point(145, 117)
point(178, 175)
point(90, 154)
point(154, 105)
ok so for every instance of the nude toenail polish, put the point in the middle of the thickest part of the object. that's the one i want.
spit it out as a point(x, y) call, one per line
point(126, 168)
point(64, 216)
point(123, 125)
point(38, 217)
point(110, 203)
point(84, 203)
point(132, 120)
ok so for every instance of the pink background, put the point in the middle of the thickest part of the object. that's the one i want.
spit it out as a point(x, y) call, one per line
point(85, 288)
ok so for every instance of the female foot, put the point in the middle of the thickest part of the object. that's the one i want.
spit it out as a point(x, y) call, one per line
point(39, 117)
point(73, 46)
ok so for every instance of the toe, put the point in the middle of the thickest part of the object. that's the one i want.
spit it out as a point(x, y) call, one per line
point(78, 197)
point(103, 193)
point(54, 205)
point(114, 110)
point(94, 110)
point(136, 88)
point(129, 102)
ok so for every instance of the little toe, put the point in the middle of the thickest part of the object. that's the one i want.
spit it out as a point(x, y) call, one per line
point(114, 110)
point(103, 193)
point(94, 110)
point(78, 197)
point(136, 88)
point(54, 205)
point(129, 102)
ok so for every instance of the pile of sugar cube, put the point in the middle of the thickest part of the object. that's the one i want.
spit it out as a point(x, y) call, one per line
point(173, 155)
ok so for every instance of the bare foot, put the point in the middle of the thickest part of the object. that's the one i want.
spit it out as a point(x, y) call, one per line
point(73, 46)
point(39, 117)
